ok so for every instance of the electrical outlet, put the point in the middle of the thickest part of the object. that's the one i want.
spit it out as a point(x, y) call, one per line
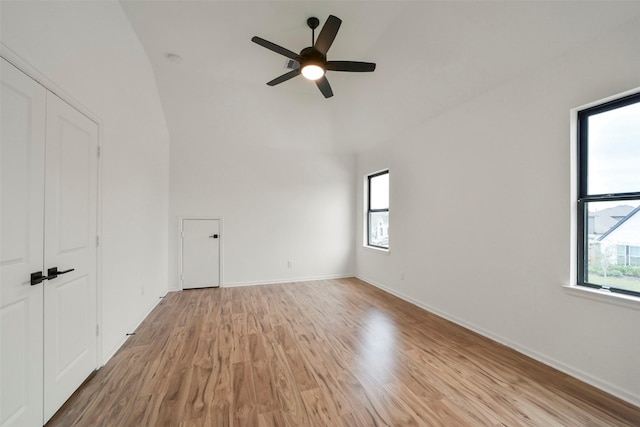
point(402, 276)
point(289, 264)
point(141, 290)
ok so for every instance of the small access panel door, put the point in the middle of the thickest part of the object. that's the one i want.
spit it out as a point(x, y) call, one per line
point(200, 253)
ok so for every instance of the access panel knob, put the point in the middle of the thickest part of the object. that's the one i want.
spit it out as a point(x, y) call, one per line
point(214, 236)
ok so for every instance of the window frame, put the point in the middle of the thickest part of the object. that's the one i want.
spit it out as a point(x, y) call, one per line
point(369, 211)
point(584, 197)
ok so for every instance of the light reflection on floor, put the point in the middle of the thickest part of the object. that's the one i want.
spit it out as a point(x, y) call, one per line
point(377, 345)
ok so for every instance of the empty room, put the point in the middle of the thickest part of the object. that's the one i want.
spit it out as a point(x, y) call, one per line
point(320, 213)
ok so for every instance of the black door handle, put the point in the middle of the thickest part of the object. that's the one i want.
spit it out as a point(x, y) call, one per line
point(52, 273)
point(37, 278)
point(214, 236)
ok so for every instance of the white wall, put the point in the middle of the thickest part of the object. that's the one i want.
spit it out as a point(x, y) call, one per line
point(89, 50)
point(277, 205)
point(481, 217)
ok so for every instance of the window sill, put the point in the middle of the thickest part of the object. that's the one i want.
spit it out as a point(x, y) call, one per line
point(378, 250)
point(608, 297)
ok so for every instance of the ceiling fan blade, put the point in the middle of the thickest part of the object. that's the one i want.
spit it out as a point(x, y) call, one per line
point(327, 34)
point(324, 86)
point(351, 66)
point(284, 77)
point(274, 47)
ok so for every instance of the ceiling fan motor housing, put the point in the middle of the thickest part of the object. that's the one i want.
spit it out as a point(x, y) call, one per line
point(310, 56)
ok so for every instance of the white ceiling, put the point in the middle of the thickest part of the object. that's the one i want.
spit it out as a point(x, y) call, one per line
point(430, 57)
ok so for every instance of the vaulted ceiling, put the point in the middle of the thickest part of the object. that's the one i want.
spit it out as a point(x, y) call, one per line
point(431, 56)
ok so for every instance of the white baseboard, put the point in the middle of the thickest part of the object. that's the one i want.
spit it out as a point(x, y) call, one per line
point(288, 280)
point(583, 376)
point(117, 347)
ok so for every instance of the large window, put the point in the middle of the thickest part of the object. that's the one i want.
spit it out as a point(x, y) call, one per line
point(609, 196)
point(378, 210)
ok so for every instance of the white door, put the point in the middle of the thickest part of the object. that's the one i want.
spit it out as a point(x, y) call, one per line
point(22, 155)
point(200, 253)
point(70, 244)
point(48, 219)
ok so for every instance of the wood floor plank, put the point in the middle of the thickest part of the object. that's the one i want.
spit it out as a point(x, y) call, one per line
point(321, 413)
point(244, 398)
point(287, 391)
point(324, 353)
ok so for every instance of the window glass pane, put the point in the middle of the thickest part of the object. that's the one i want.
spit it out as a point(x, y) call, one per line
point(614, 151)
point(613, 234)
point(379, 187)
point(379, 229)
point(622, 254)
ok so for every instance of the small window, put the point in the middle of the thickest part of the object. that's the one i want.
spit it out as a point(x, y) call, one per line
point(378, 210)
point(609, 196)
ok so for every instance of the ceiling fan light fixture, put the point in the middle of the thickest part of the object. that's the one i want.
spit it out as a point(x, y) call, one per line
point(312, 71)
point(312, 62)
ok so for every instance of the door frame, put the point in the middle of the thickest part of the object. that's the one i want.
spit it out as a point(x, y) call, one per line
point(181, 220)
point(21, 64)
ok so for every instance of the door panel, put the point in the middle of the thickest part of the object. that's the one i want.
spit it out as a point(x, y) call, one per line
point(70, 243)
point(22, 157)
point(200, 253)
point(73, 343)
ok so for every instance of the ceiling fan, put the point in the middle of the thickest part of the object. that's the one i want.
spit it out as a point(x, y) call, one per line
point(312, 61)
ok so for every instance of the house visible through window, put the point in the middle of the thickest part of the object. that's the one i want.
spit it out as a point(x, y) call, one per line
point(378, 210)
point(628, 255)
point(609, 196)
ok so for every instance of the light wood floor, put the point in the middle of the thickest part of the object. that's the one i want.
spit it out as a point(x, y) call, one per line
point(325, 353)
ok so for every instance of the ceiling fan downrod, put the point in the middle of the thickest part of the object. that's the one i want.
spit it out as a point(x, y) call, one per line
point(313, 23)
